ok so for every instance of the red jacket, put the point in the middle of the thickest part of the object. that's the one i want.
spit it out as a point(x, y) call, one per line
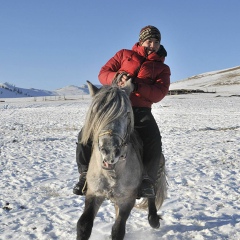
point(153, 77)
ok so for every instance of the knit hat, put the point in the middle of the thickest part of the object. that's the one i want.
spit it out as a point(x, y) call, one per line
point(149, 32)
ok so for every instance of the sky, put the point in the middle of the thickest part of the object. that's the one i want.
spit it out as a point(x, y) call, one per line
point(52, 44)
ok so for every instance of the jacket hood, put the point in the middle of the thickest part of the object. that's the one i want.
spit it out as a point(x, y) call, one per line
point(155, 56)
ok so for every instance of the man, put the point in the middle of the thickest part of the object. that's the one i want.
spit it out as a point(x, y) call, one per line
point(144, 67)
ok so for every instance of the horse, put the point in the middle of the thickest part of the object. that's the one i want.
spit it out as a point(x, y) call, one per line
point(115, 168)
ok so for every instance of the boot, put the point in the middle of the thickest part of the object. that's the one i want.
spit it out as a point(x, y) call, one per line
point(147, 189)
point(81, 187)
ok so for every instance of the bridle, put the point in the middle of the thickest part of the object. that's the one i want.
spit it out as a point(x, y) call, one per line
point(111, 133)
point(125, 139)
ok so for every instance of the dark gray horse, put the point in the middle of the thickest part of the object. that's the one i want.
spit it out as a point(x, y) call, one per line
point(115, 169)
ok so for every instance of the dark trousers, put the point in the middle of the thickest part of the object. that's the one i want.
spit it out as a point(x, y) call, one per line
point(146, 126)
point(83, 154)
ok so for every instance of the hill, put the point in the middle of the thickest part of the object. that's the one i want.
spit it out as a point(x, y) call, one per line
point(8, 90)
point(223, 81)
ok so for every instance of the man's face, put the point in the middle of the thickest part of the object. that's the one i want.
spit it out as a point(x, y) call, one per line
point(152, 45)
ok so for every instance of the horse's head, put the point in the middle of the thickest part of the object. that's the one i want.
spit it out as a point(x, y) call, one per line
point(113, 140)
point(128, 88)
point(109, 123)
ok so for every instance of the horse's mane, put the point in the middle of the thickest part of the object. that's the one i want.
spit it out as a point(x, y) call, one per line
point(108, 104)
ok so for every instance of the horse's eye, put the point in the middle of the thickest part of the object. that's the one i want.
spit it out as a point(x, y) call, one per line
point(117, 152)
point(103, 150)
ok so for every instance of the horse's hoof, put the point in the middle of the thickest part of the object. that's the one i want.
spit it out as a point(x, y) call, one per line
point(154, 221)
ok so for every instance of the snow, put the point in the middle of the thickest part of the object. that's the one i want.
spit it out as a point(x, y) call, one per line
point(200, 135)
point(223, 81)
point(8, 90)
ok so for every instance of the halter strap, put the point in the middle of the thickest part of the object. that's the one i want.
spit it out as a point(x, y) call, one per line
point(110, 133)
point(124, 139)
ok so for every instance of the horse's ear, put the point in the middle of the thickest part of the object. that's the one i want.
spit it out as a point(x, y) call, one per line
point(92, 89)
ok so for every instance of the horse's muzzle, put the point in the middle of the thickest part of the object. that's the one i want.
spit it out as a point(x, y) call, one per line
point(107, 166)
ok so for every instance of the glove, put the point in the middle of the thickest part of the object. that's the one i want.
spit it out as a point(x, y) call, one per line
point(129, 86)
point(118, 77)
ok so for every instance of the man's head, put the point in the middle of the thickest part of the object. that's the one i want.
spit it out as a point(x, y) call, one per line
point(149, 32)
point(150, 38)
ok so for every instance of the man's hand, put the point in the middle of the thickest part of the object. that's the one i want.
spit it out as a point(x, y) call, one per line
point(121, 79)
point(128, 86)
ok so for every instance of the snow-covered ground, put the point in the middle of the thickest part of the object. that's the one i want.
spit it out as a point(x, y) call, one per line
point(200, 134)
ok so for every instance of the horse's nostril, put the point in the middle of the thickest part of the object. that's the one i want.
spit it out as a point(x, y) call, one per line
point(112, 161)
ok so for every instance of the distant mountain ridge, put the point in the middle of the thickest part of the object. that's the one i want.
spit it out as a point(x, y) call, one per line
point(222, 81)
point(8, 90)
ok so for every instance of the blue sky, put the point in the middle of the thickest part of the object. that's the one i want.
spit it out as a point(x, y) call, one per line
point(49, 44)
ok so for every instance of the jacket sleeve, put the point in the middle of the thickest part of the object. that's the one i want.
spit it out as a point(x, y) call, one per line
point(109, 70)
point(157, 91)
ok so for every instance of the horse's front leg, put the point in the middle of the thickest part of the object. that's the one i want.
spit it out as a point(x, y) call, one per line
point(122, 213)
point(153, 217)
point(85, 222)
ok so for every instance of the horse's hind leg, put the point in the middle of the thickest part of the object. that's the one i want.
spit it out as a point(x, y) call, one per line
point(85, 222)
point(153, 217)
point(122, 214)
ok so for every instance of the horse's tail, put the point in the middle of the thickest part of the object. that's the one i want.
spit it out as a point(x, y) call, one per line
point(161, 188)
